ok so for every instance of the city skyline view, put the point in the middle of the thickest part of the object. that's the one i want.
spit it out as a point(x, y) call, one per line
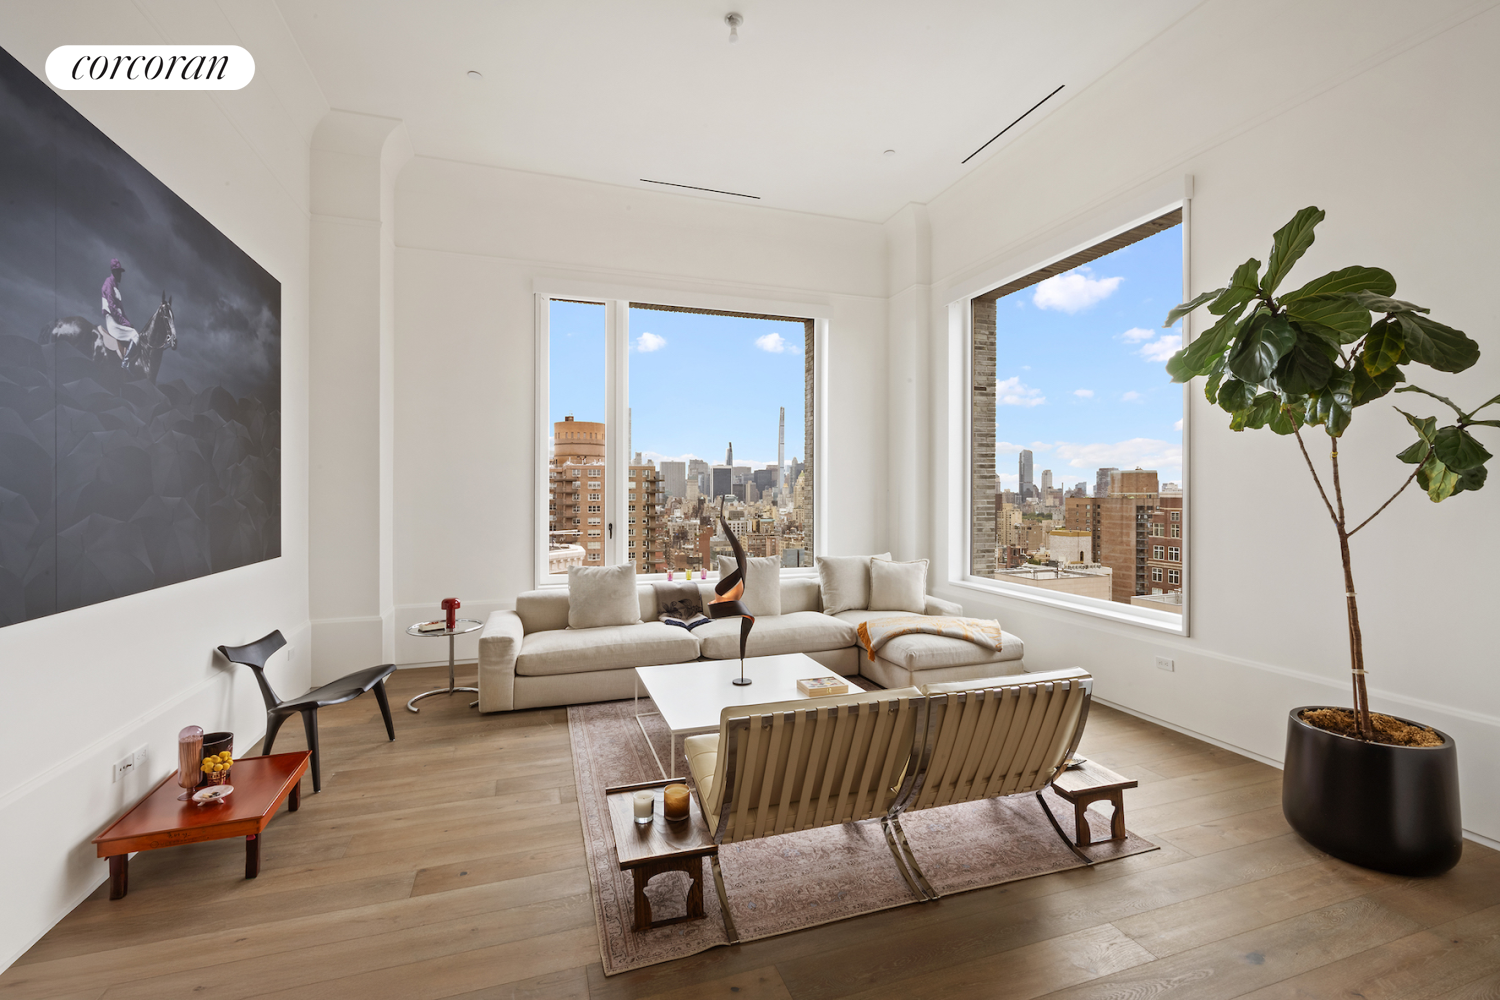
point(675, 360)
point(1080, 368)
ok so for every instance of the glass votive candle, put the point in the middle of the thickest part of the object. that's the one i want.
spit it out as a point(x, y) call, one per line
point(645, 807)
point(674, 802)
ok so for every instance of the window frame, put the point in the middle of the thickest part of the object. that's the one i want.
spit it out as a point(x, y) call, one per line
point(1109, 223)
point(617, 300)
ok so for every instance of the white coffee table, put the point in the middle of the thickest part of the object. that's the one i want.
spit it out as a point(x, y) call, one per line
point(690, 696)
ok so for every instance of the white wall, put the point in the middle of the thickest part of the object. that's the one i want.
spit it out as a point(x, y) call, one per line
point(83, 688)
point(1385, 116)
point(471, 244)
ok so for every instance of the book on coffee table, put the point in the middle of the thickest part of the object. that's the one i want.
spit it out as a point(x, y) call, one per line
point(816, 687)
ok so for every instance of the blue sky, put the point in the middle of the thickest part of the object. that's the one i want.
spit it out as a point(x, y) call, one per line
point(696, 382)
point(1080, 367)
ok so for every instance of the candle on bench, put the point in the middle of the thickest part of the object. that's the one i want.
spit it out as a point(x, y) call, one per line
point(645, 806)
point(675, 802)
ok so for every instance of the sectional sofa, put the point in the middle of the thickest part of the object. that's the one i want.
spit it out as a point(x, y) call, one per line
point(530, 658)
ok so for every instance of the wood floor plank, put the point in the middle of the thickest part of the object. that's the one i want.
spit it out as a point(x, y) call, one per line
point(1421, 966)
point(190, 953)
point(1257, 958)
point(450, 975)
point(1190, 923)
point(1230, 831)
point(1026, 972)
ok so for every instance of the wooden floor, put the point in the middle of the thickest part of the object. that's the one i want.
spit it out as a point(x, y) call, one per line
point(450, 864)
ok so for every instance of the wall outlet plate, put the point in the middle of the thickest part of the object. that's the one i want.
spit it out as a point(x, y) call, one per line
point(122, 767)
point(139, 755)
point(1162, 663)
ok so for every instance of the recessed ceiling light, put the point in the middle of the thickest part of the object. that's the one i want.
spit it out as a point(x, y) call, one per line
point(890, 152)
point(474, 74)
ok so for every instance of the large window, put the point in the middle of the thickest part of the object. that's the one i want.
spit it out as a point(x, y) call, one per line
point(665, 415)
point(1076, 429)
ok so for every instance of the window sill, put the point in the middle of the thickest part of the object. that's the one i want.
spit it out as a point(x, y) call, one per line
point(1124, 614)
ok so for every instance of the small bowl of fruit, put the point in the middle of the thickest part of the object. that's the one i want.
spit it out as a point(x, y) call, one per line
point(216, 767)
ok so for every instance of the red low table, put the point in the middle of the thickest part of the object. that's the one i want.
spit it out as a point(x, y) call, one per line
point(261, 784)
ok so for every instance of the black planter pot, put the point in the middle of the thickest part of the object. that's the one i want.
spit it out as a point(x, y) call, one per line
point(1394, 809)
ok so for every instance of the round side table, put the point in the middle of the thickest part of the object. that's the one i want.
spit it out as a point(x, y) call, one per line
point(463, 625)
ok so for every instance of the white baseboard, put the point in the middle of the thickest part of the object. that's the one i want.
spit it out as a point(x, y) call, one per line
point(1477, 838)
point(1195, 735)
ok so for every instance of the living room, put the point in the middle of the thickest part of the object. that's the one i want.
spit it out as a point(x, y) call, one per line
point(422, 183)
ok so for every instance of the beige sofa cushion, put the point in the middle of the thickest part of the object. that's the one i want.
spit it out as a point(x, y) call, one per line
point(762, 594)
point(602, 595)
point(798, 632)
point(569, 651)
point(900, 585)
point(846, 581)
point(931, 652)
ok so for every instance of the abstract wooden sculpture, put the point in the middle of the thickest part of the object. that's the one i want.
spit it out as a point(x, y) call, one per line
point(728, 591)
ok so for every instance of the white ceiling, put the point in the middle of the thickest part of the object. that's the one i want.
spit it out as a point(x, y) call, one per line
point(799, 112)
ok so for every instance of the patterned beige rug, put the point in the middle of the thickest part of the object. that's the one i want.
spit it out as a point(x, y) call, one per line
point(798, 880)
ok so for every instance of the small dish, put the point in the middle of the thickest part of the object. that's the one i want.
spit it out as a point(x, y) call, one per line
point(213, 793)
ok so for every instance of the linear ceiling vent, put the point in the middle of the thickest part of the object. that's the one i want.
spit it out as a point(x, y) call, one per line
point(694, 187)
point(1012, 125)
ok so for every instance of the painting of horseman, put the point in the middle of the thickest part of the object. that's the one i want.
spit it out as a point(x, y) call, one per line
point(140, 373)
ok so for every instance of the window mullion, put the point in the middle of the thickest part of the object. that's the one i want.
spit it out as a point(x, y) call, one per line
point(617, 433)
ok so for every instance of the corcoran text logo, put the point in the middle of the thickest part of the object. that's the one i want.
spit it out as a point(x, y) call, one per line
point(150, 67)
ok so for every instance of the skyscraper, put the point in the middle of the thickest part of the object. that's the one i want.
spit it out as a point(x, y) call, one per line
point(780, 446)
point(1046, 482)
point(674, 475)
point(1101, 481)
point(729, 455)
point(721, 483)
point(1026, 488)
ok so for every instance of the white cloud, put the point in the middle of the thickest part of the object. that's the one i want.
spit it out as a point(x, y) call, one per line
point(1084, 393)
point(1130, 397)
point(1178, 425)
point(1163, 349)
point(1073, 291)
point(775, 343)
point(1136, 334)
point(1148, 453)
point(648, 342)
point(1014, 392)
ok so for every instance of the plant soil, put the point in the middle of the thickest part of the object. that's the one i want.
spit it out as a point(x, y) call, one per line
point(1388, 730)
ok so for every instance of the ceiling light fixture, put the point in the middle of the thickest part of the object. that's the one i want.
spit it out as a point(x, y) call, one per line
point(890, 152)
point(734, 21)
point(474, 74)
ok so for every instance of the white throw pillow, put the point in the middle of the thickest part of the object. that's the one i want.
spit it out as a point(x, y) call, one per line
point(898, 586)
point(602, 595)
point(845, 582)
point(762, 583)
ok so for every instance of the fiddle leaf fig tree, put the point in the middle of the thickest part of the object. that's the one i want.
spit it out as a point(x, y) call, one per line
point(1312, 357)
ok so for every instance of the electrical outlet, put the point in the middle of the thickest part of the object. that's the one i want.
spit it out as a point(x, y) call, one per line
point(1162, 663)
point(123, 766)
point(139, 758)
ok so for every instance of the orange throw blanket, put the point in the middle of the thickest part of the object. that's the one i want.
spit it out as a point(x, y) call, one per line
point(876, 632)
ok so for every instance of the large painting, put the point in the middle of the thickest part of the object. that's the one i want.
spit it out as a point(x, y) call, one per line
point(140, 372)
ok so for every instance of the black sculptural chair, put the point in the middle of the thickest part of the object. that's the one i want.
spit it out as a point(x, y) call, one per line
point(254, 655)
point(728, 591)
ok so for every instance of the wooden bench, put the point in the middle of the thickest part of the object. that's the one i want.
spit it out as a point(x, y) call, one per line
point(1090, 782)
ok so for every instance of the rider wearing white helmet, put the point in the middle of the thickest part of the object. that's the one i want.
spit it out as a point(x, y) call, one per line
point(115, 320)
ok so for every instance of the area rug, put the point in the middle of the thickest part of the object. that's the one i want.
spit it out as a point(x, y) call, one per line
point(798, 880)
